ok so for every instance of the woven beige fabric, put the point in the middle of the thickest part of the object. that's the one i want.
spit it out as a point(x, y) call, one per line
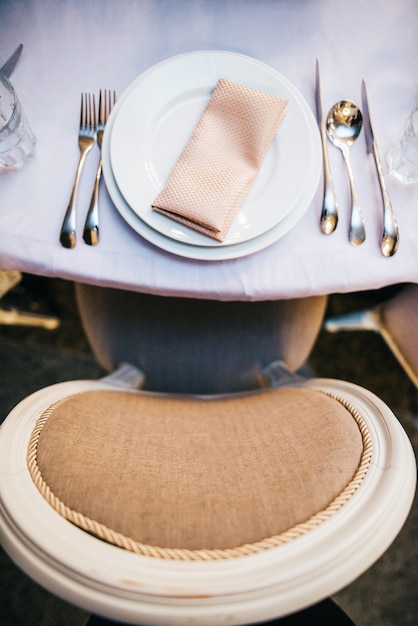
point(193, 473)
point(221, 159)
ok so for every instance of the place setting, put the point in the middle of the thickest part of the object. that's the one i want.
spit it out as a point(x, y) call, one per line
point(214, 155)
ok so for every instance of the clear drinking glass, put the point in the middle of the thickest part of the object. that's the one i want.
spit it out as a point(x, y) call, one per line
point(403, 157)
point(17, 141)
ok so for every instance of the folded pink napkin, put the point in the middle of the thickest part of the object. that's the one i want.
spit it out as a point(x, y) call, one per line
point(222, 158)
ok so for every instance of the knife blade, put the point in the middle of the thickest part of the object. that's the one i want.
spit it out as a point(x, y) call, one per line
point(368, 127)
point(329, 210)
point(318, 94)
point(390, 236)
point(10, 64)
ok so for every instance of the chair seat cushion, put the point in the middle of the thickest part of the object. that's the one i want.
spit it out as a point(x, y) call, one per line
point(198, 477)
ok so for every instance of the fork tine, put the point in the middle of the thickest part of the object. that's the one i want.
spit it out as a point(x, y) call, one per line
point(82, 111)
point(94, 112)
point(86, 109)
point(91, 113)
point(106, 109)
point(101, 105)
point(103, 111)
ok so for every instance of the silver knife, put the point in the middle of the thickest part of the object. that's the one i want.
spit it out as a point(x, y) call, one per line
point(390, 236)
point(329, 211)
point(10, 64)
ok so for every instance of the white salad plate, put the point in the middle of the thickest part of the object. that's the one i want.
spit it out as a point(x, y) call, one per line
point(150, 125)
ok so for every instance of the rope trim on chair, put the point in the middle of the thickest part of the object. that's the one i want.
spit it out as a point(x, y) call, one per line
point(180, 554)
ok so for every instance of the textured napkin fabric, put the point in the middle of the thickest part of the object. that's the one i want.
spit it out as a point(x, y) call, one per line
point(222, 158)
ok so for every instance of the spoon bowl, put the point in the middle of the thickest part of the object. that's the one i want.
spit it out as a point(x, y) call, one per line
point(344, 123)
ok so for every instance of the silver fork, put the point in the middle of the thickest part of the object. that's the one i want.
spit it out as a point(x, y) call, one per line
point(91, 234)
point(86, 140)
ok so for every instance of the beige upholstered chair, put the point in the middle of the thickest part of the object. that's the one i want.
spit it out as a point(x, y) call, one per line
point(205, 498)
point(396, 320)
point(198, 346)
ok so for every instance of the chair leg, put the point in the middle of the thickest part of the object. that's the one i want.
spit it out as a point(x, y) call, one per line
point(13, 317)
point(360, 320)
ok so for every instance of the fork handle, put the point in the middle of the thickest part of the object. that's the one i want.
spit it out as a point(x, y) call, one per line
point(67, 234)
point(91, 234)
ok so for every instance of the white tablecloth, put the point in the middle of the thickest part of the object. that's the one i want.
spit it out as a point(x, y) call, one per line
point(76, 46)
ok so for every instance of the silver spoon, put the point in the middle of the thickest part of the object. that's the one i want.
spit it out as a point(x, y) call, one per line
point(344, 122)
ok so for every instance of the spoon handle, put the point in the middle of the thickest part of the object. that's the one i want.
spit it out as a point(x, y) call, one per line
point(329, 212)
point(357, 230)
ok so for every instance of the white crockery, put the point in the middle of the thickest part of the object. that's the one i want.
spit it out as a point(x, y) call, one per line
point(281, 193)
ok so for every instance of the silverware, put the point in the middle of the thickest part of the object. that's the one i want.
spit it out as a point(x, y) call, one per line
point(10, 64)
point(390, 237)
point(344, 122)
point(329, 211)
point(91, 232)
point(86, 140)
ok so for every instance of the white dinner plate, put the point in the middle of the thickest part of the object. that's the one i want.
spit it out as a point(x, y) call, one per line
point(156, 116)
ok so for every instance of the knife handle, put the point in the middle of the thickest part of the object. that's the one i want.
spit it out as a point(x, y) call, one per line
point(390, 236)
point(329, 211)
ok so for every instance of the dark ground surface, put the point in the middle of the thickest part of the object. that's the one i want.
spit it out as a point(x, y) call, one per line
point(32, 358)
